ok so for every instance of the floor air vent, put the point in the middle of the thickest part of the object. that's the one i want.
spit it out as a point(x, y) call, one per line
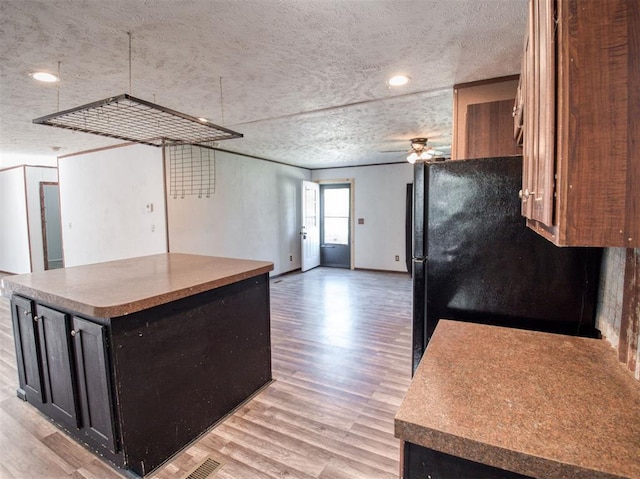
point(204, 470)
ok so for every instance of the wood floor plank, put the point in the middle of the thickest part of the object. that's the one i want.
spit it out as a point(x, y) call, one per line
point(341, 357)
point(65, 448)
point(25, 456)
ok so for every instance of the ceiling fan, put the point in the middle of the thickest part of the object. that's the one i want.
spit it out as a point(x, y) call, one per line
point(420, 151)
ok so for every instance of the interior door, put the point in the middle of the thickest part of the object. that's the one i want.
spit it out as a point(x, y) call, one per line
point(310, 232)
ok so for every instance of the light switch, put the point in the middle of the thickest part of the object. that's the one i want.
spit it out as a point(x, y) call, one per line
point(360, 221)
point(148, 207)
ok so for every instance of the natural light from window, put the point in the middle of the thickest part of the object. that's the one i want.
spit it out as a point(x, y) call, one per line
point(336, 216)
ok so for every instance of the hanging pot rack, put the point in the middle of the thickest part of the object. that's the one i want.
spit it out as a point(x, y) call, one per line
point(131, 119)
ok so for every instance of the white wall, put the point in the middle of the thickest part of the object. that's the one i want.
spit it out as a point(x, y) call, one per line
point(14, 232)
point(253, 214)
point(34, 175)
point(380, 197)
point(103, 196)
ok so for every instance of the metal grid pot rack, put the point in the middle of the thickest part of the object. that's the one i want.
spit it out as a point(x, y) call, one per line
point(131, 119)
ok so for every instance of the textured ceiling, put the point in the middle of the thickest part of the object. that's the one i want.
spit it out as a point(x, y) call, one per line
point(303, 80)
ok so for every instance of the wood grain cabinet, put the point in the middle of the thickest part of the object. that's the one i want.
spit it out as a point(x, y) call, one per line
point(62, 370)
point(580, 86)
point(489, 130)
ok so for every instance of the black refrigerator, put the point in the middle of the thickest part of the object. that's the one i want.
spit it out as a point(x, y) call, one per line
point(474, 259)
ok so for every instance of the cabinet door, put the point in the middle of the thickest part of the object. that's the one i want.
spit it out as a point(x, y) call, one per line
point(539, 138)
point(489, 130)
point(57, 370)
point(529, 118)
point(27, 350)
point(94, 385)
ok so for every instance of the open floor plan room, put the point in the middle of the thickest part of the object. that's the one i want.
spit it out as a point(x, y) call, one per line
point(341, 352)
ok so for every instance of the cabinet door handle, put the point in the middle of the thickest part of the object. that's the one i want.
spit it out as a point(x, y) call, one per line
point(73, 332)
point(29, 313)
point(524, 196)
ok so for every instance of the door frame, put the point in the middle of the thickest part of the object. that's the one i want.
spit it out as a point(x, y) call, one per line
point(43, 222)
point(352, 208)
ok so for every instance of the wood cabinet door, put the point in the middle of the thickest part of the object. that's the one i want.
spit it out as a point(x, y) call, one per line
point(529, 117)
point(94, 384)
point(538, 187)
point(490, 130)
point(27, 350)
point(57, 370)
point(544, 183)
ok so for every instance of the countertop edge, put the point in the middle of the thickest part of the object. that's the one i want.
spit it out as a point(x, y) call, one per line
point(122, 309)
point(496, 456)
point(495, 395)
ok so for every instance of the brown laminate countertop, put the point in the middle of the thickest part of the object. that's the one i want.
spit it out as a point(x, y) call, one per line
point(539, 404)
point(117, 288)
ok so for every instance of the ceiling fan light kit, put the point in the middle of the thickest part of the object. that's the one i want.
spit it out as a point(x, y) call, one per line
point(418, 145)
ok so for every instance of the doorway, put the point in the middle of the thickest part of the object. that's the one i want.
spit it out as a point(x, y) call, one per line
point(51, 225)
point(335, 225)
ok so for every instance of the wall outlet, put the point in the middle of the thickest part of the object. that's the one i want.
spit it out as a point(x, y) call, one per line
point(290, 257)
point(397, 258)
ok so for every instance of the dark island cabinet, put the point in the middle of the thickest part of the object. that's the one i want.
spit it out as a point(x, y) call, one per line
point(422, 463)
point(93, 382)
point(63, 370)
point(57, 371)
point(137, 387)
point(27, 350)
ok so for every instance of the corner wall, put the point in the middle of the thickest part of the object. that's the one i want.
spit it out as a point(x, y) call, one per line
point(253, 214)
point(103, 198)
point(618, 316)
point(14, 230)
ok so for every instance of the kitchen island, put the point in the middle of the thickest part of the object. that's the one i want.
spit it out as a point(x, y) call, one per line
point(137, 358)
point(501, 403)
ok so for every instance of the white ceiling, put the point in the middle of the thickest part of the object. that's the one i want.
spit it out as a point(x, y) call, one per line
point(303, 80)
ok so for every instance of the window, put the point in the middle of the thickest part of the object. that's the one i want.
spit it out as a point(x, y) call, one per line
point(336, 216)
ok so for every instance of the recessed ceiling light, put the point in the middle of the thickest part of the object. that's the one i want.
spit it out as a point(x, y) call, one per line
point(398, 80)
point(45, 77)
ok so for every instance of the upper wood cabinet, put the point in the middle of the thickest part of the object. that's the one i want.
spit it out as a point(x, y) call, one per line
point(475, 110)
point(489, 130)
point(581, 119)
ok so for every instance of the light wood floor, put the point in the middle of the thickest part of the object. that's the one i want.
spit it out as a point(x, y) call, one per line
point(341, 346)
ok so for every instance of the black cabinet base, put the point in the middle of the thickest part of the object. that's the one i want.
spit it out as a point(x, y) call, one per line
point(422, 463)
point(140, 388)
